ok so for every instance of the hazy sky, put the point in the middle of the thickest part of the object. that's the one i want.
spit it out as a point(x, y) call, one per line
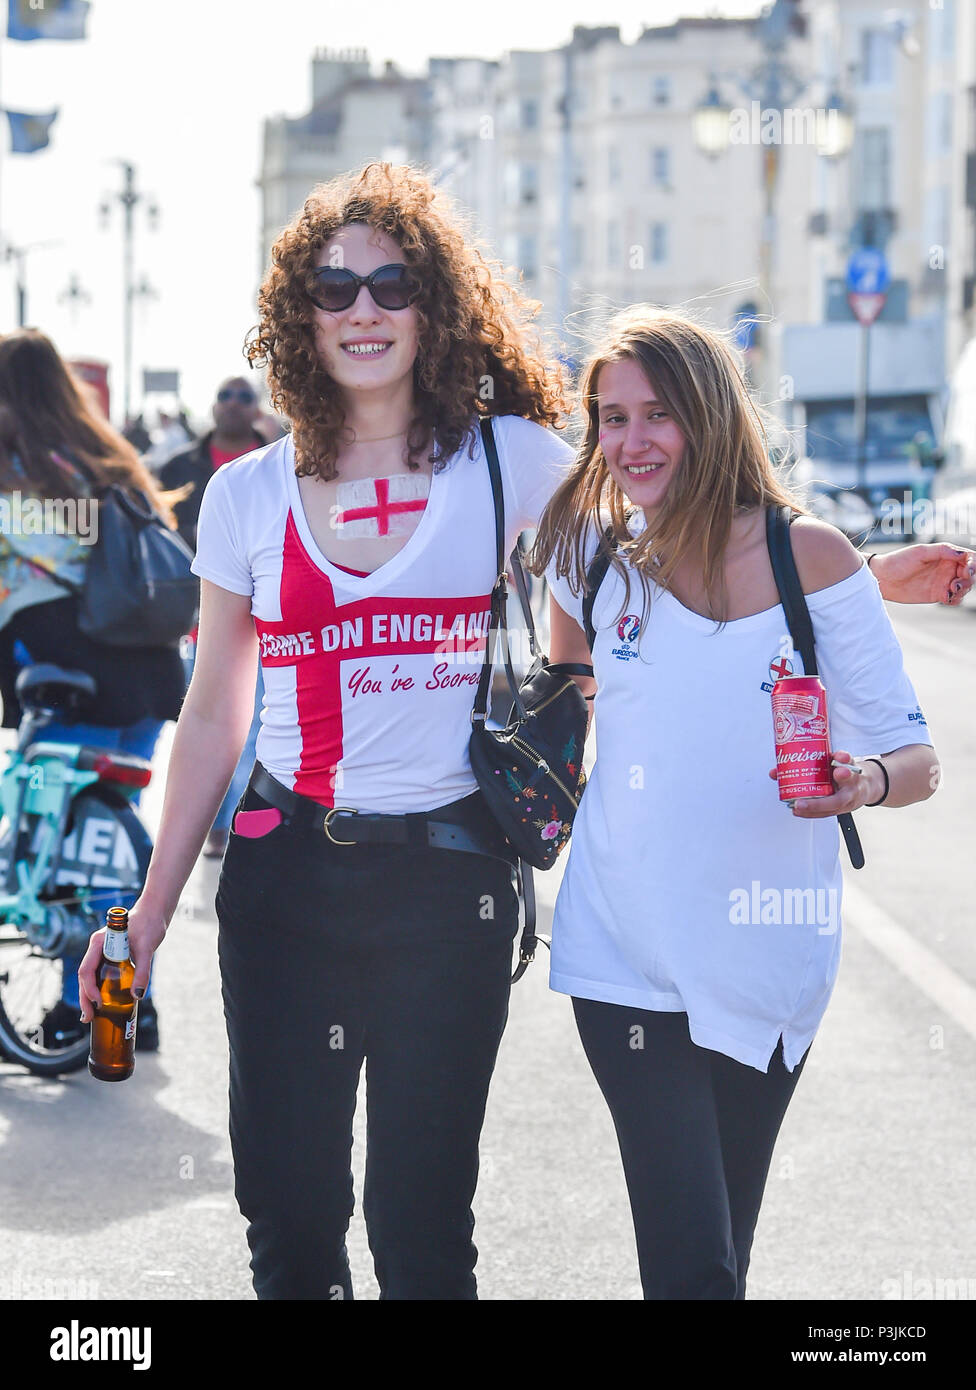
point(180, 88)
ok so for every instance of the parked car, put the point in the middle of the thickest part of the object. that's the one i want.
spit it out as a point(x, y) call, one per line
point(953, 490)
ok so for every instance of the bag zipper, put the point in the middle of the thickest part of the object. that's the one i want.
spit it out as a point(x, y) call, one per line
point(543, 766)
point(548, 701)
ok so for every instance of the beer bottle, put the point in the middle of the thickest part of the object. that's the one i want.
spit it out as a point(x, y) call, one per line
point(113, 1034)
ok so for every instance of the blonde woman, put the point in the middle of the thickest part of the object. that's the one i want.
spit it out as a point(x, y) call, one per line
point(697, 1016)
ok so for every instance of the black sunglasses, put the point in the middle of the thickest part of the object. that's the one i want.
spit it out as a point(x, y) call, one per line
point(241, 394)
point(391, 286)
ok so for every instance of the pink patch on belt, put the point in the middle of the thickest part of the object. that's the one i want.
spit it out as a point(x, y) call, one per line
point(253, 824)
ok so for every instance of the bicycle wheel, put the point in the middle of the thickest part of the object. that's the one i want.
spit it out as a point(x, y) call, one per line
point(104, 857)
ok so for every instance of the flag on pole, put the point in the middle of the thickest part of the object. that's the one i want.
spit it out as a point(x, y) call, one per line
point(30, 132)
point(47, 19)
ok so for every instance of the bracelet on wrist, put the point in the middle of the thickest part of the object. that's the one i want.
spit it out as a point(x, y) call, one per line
point(887, 784)
point(869, 558)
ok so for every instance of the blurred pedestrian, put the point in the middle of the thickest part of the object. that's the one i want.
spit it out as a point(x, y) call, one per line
point(169, 436)
point(53, 445)
point(236, 414)
point(136, 433)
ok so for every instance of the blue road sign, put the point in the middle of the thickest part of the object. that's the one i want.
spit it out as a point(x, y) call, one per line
point(867, 272)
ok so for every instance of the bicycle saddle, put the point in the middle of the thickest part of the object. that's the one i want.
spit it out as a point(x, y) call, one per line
point(46, 686)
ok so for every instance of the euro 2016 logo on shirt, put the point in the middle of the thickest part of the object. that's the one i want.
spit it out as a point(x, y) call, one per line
point(628, 630)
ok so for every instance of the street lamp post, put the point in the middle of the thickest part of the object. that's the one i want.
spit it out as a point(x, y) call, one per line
point(773, 85)
point(129, 197)
point(18, 254)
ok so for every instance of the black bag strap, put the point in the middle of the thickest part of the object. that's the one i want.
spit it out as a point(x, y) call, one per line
point(778, 521)
point(595, 575)
point(498, 625)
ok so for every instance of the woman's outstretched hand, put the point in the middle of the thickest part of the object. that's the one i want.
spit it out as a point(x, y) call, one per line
point(940, 573)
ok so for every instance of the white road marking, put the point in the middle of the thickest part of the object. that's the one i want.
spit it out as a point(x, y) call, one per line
point(947, 990)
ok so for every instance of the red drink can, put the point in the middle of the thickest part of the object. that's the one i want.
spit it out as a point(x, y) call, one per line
point(802, 733)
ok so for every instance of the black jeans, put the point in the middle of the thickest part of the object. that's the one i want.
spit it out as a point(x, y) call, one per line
point(329, 956)
point(696, 1131)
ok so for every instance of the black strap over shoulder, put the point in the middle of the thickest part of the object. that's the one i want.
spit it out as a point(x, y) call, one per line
point(595, 575)
point(498, 628)
point(778, 520)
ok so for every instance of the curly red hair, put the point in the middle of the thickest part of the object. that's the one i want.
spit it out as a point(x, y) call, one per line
point(476, 355)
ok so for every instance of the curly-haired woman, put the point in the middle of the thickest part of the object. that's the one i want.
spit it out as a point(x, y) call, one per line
point(358, 554)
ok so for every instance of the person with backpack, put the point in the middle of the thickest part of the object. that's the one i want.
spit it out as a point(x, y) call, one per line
point(697, 927)
point(56, 447)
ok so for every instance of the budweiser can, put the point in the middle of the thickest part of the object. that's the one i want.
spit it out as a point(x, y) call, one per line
point(803, 763)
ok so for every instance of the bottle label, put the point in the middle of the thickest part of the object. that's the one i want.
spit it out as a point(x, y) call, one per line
point(116, 945)
point(130, 1028)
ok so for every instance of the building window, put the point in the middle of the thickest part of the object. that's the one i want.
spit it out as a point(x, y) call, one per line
point(877, 58)
point(613, 245)
point(529, 183)
point(613, 164)
point(659, 242)
point(578, 246)
point(661, 167)
point(874, 169)
point(579, 171)
point(530, 115)
point(661, 90)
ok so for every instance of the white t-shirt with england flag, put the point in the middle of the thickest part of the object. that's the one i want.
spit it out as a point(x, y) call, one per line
point(369, 680)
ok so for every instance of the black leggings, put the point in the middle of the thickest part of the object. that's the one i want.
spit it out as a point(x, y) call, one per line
point(696, 1131)
point(330, 956)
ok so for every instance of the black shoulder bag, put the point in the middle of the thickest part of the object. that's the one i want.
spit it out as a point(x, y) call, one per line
point(139, 590)
point(791, 596)
point(531, 771)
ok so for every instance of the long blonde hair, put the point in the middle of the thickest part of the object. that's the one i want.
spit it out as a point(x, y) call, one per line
point(725, 465)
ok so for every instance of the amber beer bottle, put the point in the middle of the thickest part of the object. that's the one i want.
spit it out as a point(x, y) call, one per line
point(113, 1034)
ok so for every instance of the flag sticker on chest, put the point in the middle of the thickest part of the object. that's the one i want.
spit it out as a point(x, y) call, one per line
point(780, 667)
point(369, 507)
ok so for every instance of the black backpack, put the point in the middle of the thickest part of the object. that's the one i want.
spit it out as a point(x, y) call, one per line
point(139, 590)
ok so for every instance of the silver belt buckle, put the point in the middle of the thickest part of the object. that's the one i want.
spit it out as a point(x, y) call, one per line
point(345, 810)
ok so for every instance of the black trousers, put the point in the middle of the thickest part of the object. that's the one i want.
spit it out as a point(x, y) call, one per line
point(332, 956)
point(696, 1131)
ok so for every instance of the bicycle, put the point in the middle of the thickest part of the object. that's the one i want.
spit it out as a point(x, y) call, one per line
point(71, 846)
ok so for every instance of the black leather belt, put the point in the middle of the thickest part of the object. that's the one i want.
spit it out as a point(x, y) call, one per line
point(344, 826)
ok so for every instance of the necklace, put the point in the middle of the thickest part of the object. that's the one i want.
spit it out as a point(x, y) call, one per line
point(380, 437)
